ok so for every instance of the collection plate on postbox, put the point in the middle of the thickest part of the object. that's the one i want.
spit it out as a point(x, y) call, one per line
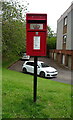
point(36, 26)
point(36, 32)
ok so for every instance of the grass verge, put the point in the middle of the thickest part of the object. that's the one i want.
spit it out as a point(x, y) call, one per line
point(53, 98)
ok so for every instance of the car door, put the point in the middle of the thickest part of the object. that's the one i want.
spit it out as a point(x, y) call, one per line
point(38, 69)
point(30, 67)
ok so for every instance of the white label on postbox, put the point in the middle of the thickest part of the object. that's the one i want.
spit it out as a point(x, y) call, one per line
point(36, 43)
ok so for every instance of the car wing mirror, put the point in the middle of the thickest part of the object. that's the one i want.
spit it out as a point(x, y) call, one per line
point(38, 66)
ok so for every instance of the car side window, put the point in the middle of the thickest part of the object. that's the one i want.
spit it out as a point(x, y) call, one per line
point(30, 63)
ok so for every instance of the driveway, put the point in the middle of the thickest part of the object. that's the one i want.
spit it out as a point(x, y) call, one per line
point(64, 74)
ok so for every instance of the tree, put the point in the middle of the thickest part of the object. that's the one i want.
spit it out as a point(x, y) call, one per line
point(50, 32)
point(13, 30)
point(13, 10)
point(0, 32)
point(13, 38)
point(51, 39)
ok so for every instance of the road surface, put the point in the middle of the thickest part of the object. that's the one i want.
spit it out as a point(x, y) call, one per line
point(64, 75)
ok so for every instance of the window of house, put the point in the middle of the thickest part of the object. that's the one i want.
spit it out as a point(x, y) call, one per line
point(65, 21)
point(64, 38)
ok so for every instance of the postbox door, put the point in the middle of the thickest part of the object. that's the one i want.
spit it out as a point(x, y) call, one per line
point(36, 43)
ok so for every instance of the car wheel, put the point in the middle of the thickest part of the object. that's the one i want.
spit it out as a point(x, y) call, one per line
point(42, 74)
point(24, 70)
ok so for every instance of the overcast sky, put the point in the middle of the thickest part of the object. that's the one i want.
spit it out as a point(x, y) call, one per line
point(53, 8)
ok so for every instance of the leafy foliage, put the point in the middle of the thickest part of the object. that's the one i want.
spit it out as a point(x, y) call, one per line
point(51, 43)
point(13, 10)
point(13, 29)
point(13, 38)
point(51, 39)
point(50, 32)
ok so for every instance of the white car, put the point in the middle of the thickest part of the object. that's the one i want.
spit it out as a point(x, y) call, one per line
point(42, 69)
point(25, 57)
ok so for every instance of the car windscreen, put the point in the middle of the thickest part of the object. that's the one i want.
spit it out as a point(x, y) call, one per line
point(24, 54)
point(44, 65)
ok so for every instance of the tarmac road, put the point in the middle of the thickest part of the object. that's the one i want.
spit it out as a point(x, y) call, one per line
point(64, 75)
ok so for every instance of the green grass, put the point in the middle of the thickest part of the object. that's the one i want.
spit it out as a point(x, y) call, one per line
point(0, 93)
point(53, 98)
point(6, 62)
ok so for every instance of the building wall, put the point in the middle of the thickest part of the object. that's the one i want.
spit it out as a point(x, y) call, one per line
point(59, 34)
point(61, 30)
point(63, 54)
point(62, 57)
point(68, 42)
point(72, 29)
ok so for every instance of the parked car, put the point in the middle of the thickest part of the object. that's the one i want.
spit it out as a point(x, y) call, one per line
point(25, 57)
point(42, 69)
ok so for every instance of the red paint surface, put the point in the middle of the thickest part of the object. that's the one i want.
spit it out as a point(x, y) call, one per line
point(30, 33)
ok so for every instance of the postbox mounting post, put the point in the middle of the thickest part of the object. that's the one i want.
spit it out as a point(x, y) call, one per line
point(35, 79)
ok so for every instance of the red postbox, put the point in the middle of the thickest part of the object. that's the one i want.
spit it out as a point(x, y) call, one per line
point(36, 32)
